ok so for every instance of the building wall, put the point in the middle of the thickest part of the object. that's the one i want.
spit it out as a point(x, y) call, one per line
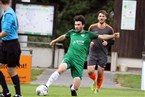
point(131, 42)
point(43, 57)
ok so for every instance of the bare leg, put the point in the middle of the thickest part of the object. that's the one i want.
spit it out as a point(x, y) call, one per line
point(75, 86)
point(91, 72)
point(100, 77)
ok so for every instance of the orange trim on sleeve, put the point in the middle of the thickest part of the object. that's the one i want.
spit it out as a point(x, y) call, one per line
point(96, 24)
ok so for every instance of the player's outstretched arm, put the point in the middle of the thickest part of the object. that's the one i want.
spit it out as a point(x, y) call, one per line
point(60, 38)
point(105, 37)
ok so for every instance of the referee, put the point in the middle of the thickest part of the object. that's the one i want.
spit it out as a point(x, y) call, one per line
point(10, 48)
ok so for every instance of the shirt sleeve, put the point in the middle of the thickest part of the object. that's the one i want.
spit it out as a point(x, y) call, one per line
point(93, 35)
point(7, 22)
point(67, 35)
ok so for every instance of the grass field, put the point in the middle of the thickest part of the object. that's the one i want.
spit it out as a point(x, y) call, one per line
point(128, 80)
point(63, 91)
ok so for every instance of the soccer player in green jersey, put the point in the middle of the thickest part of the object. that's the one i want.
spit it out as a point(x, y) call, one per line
point(77, 52)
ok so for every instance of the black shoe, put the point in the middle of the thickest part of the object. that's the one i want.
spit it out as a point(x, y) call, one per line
point(18, 95)
point(5, 95)
point(1, 94)
point(73, 92)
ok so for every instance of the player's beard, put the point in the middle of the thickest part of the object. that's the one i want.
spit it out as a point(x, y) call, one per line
point(102, 23)
point(79, 29)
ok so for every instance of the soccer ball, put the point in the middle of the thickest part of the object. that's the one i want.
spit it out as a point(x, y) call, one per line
point(42, 90)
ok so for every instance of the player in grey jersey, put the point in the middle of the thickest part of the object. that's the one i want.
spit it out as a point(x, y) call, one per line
point(98, 50)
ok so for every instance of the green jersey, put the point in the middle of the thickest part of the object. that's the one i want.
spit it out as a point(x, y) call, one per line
point(79, 44)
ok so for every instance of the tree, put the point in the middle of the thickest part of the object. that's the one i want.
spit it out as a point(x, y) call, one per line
point(67, 9)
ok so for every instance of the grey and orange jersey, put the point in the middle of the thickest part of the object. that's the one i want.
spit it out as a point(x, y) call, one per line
point(98, 50)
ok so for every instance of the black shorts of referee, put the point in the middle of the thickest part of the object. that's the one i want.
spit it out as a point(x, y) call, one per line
point(10, 52)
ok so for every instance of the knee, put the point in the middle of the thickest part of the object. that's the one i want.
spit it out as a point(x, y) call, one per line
point(60, 71)
point(62, 68)
point(11, 72)
point(90, 72)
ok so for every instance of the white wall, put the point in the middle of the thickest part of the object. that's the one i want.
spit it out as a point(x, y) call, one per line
point(42, 57)
point(59, 54)
point(130, 62)
point(127, 62)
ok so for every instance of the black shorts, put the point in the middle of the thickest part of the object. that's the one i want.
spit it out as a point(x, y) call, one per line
point(10, 53)
point(101, 61)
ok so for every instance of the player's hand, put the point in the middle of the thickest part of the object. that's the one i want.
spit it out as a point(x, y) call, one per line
point(116, 35)
point(52, 43)
point(91, 44)
point(104, 43)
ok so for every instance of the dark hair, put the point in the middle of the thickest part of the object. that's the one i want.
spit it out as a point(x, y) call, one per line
point(103, 12)
point(5, 1)
point(80, 18)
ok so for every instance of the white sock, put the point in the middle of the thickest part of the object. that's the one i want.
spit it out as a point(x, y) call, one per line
point(72, 87)
point(52, 78)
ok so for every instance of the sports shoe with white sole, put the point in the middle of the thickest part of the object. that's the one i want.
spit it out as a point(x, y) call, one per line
point(73, 92)
point(5, 95)
point(17, 95)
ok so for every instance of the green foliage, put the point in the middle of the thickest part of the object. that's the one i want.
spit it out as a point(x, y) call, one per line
point(128, 80)
point(67, 9)
point(43, 41)
point(109, 8)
